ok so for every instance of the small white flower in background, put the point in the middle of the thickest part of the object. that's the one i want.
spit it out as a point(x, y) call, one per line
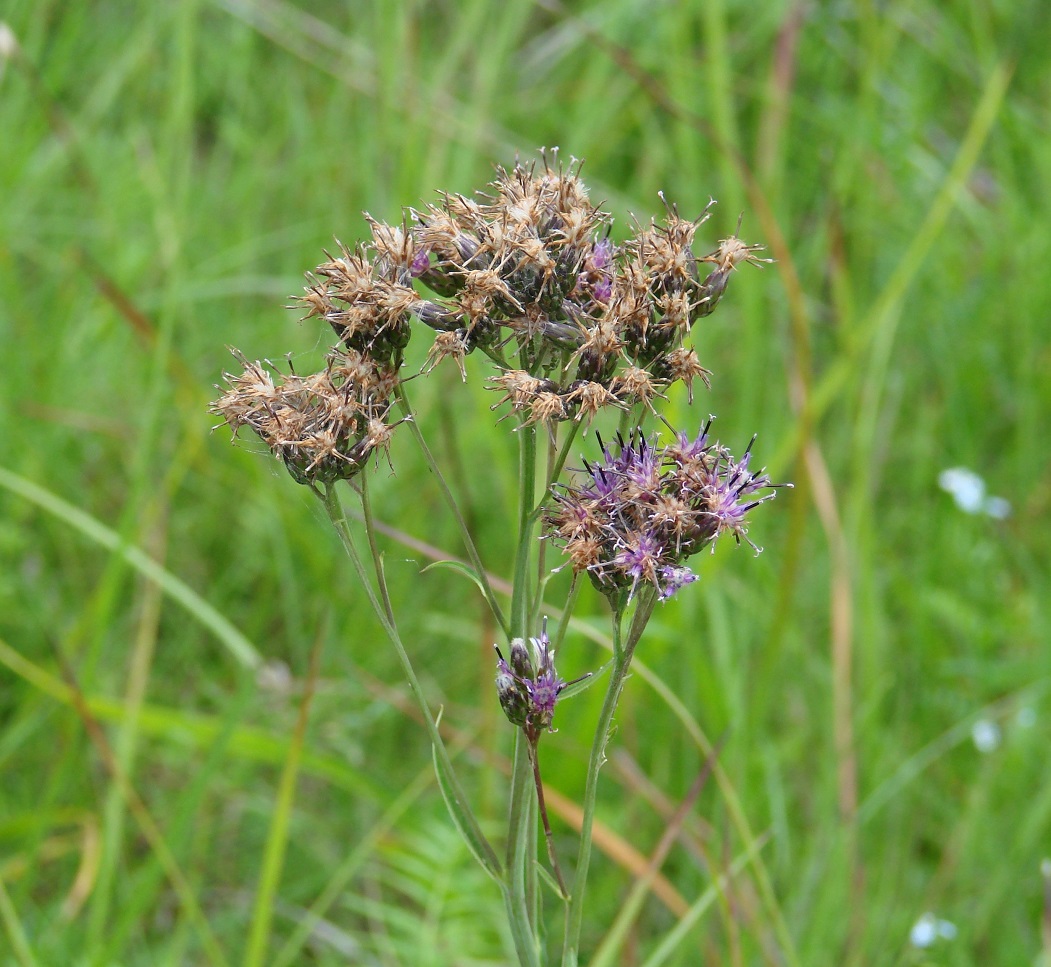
point(985, 734)
point(928, 929)
point(274, 676)
point(968, 490)
point(1025, 717)
point(8, 42)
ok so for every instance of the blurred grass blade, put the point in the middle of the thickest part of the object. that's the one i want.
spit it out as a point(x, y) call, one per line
point(881, 322)
point(678, 933)
point(235, 642)
point(277, 837)
point(15, 933)
point(197, 730)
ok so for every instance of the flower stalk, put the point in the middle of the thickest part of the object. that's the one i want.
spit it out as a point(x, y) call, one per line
point(623, 649)
point(461, 813)
point(454, 508)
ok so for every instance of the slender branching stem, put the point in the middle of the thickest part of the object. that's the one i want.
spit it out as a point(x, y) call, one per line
point(555, 469)
point(370, 534)
point(520, 594)
point(567, 613)
point(521, 833)
point(464, 817)
point(623, 649)
point(626, 422)
point(533, 743)
point(521, 859)
point(450, 500)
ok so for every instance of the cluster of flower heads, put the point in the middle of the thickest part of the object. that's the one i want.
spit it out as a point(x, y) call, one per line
point(528, 686)
point(528, 275)
point(642, 510)
point(323, 426)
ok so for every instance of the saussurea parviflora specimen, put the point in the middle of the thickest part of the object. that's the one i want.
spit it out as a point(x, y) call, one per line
point(576, 327)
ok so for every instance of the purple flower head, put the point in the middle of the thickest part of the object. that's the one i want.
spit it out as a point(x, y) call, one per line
point(688, 449)
point(636, 461)
point(640, 558)
point(513, 697)
point(632, 453)
point(673, 578)
point(603, 481)
point(603, 290)
point(643, 510)
point(728, 502)
point(643, 466)
point(600, 264)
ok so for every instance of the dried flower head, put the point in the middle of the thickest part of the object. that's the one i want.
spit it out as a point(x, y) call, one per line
point(366, 295)
point(527, 273)
point(730, 253)
point(324, 426)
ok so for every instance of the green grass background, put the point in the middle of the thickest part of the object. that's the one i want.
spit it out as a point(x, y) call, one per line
point(169, 171)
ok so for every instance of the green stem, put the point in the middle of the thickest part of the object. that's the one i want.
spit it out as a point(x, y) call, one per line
point(521, 930)
point(627, 422)
point(521, 852)
point(556, 459)
point(370, 536)
point(566, 616)
point(532, 744)
point(623, 649)
point(560, 461)
point(541, 555)
point(455, 798)
point(520, 860)
point(465, 531)
point(520, 594)
point(519, 800)
point(15, 931)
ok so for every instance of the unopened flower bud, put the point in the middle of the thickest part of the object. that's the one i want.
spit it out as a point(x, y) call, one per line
point(514, 699)
point(521, 664)
point(528, 686)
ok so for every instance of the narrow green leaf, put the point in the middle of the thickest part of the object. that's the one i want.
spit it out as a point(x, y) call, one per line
point(573, 690)
point(468, 572)
point(478, 847)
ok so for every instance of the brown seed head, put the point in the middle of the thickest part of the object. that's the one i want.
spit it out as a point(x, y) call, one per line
point(683, 365)
point(635, 385)
point(448, 344)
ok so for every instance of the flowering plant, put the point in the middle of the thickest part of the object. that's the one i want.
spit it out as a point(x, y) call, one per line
point(577, 327)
